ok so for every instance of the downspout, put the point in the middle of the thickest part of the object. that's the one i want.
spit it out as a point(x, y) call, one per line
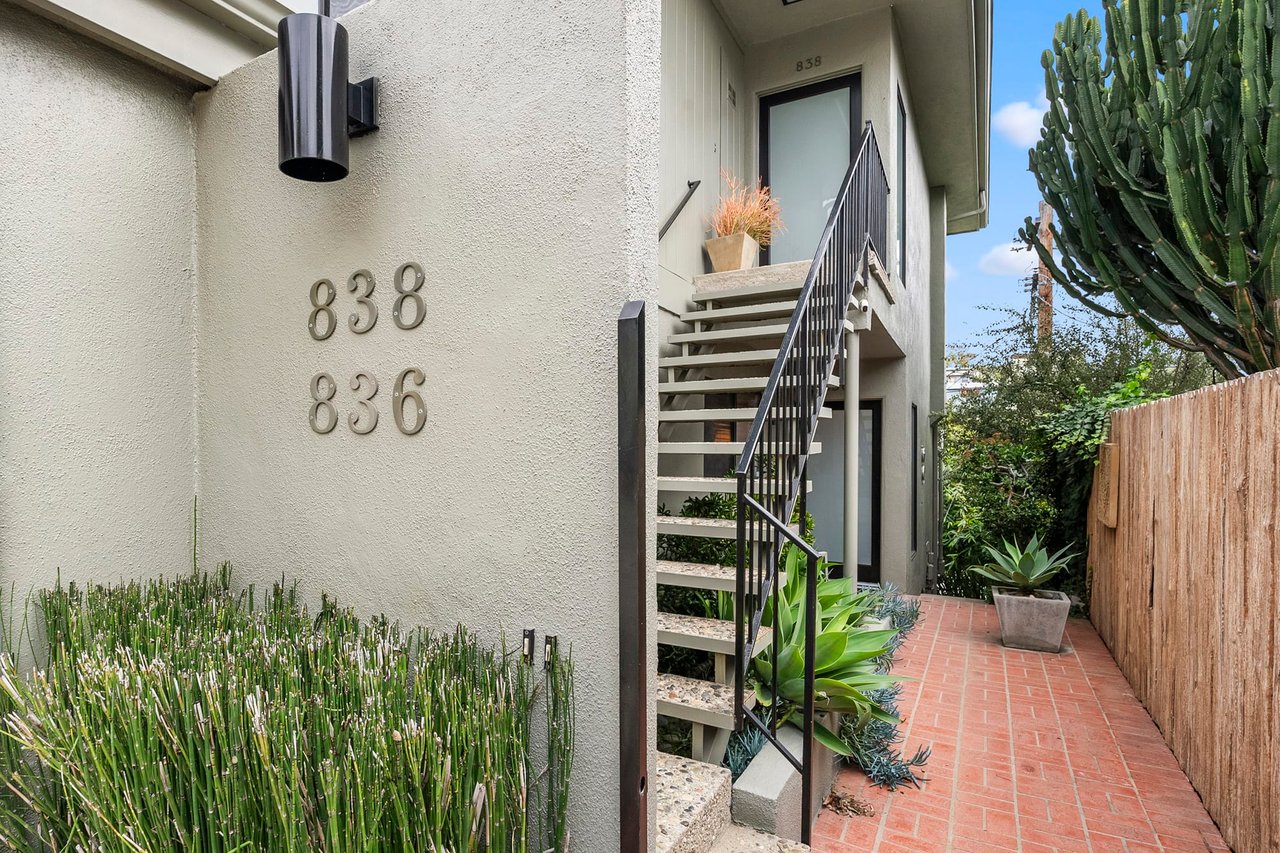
point(977, 123)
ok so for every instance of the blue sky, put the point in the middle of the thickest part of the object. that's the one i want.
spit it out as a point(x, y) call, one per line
point(981, 270)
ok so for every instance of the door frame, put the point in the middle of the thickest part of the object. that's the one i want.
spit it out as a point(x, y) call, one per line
point(876, 407)
point(852, 80)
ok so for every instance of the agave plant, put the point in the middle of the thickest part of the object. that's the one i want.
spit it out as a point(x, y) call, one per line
point(1026, 569)
point(846, 651)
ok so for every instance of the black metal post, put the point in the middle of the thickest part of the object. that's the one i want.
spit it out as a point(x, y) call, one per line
point(810, 653)
point(633, 545)
point(739, 607)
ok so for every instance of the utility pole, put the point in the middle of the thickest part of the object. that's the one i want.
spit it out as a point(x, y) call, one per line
point(1044, 281)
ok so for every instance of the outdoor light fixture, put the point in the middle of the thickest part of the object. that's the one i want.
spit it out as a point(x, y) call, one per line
point(319, 110)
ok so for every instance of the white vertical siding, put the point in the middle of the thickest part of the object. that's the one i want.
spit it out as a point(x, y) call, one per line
point(703, 131)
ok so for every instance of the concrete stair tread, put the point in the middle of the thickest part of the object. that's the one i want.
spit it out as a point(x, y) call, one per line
point(697, 575)
point(737, 838)
point(755, 331)
point(704, 485)
point(701, 575)
point(692, 804)
point(711, 528)
point(707, 415)
point(736, 384)
point(756, 283)
point(714, 359)
point(715, 448)
point(708, 635)
point(749, 311)
point(698, 701)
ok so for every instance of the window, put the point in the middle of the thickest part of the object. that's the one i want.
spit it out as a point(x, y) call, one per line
point(900, 189)
point(916, 467)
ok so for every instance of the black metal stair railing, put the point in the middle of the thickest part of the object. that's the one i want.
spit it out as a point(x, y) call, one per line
point(771, 471)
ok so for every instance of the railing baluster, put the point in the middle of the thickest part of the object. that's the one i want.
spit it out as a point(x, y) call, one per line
point(772, 471)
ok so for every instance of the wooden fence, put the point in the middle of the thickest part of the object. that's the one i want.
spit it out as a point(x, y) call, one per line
point(1184, 553)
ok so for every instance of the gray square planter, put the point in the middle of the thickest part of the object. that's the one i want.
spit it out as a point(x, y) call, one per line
point(1031, 622)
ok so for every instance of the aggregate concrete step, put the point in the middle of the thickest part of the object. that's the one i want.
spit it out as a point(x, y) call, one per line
point(720, 359)
point(741, 839)
point(707, 528)
point(708, 635)
point(716, 415)
point(697, 575)
point(776, 281)
point(749, 311)
point(753, 332)
point(701, 576)
point(714, 448)
point(698, 701)
point(707, 485)
point(710, 528)
point(733, 385)
point(692, 804)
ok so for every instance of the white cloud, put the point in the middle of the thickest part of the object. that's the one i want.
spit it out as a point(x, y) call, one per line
point(1020, 121)
point(951, 272)
point(1008, 259)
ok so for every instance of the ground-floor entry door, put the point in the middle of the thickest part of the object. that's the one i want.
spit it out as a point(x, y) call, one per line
point(808, 137)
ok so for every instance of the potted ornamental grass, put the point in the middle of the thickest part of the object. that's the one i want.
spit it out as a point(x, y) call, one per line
point(1030, 617)
point(745, 220)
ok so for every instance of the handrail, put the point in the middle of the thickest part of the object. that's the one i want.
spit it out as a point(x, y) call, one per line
point(772, 468)
point(671, 220)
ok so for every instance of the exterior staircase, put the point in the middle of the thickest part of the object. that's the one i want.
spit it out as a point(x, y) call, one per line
point(711, 386)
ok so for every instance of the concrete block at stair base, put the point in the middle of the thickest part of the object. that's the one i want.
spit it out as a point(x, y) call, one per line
point(767, 796)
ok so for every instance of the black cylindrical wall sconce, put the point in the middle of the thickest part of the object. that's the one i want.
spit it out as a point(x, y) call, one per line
point(319, 110)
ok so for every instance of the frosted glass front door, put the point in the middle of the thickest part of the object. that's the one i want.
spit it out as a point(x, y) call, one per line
point(808, 140)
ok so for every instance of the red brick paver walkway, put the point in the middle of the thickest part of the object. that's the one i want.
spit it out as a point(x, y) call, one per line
point(1031, 752)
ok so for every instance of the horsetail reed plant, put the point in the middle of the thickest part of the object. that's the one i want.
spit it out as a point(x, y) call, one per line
point(178, 715)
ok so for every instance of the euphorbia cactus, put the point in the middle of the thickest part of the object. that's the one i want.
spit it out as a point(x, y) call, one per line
point(1160, 152)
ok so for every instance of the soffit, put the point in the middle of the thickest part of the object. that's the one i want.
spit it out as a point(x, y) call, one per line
point(200, 40)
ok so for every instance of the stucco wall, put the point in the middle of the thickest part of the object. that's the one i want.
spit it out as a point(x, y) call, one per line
point(517, 164)
point(97, 435)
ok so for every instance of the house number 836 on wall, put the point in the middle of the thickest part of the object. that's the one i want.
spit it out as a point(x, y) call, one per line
point(406, 405)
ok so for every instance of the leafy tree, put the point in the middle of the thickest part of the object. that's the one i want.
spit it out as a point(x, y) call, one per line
point(1161, 154)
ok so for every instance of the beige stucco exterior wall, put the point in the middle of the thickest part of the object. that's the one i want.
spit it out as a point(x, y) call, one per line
point(517, 164)
point(97, 434)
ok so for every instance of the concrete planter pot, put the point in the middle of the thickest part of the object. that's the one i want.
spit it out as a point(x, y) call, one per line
point(1034, 622)
point(733, 252)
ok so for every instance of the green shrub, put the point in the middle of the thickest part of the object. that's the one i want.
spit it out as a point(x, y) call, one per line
point(1025, 569)
point(178, 715)
point(847, 650)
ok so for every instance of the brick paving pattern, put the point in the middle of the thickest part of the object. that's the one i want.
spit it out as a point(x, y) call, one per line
point(1031, 752)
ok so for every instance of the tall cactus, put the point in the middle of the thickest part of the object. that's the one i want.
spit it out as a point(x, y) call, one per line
point(1162, 158)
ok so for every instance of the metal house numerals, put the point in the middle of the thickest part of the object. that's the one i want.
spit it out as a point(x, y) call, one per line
point(363, 300)
point(365, 426)
point(323, 319)
point(407, 408)
point(322, 390)
point(409, 294)
point(399, 397)
point(408, 310)
point(322, 295)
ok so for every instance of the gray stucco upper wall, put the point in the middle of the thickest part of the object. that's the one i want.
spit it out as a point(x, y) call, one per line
point(97, 441)
point(517, 163)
